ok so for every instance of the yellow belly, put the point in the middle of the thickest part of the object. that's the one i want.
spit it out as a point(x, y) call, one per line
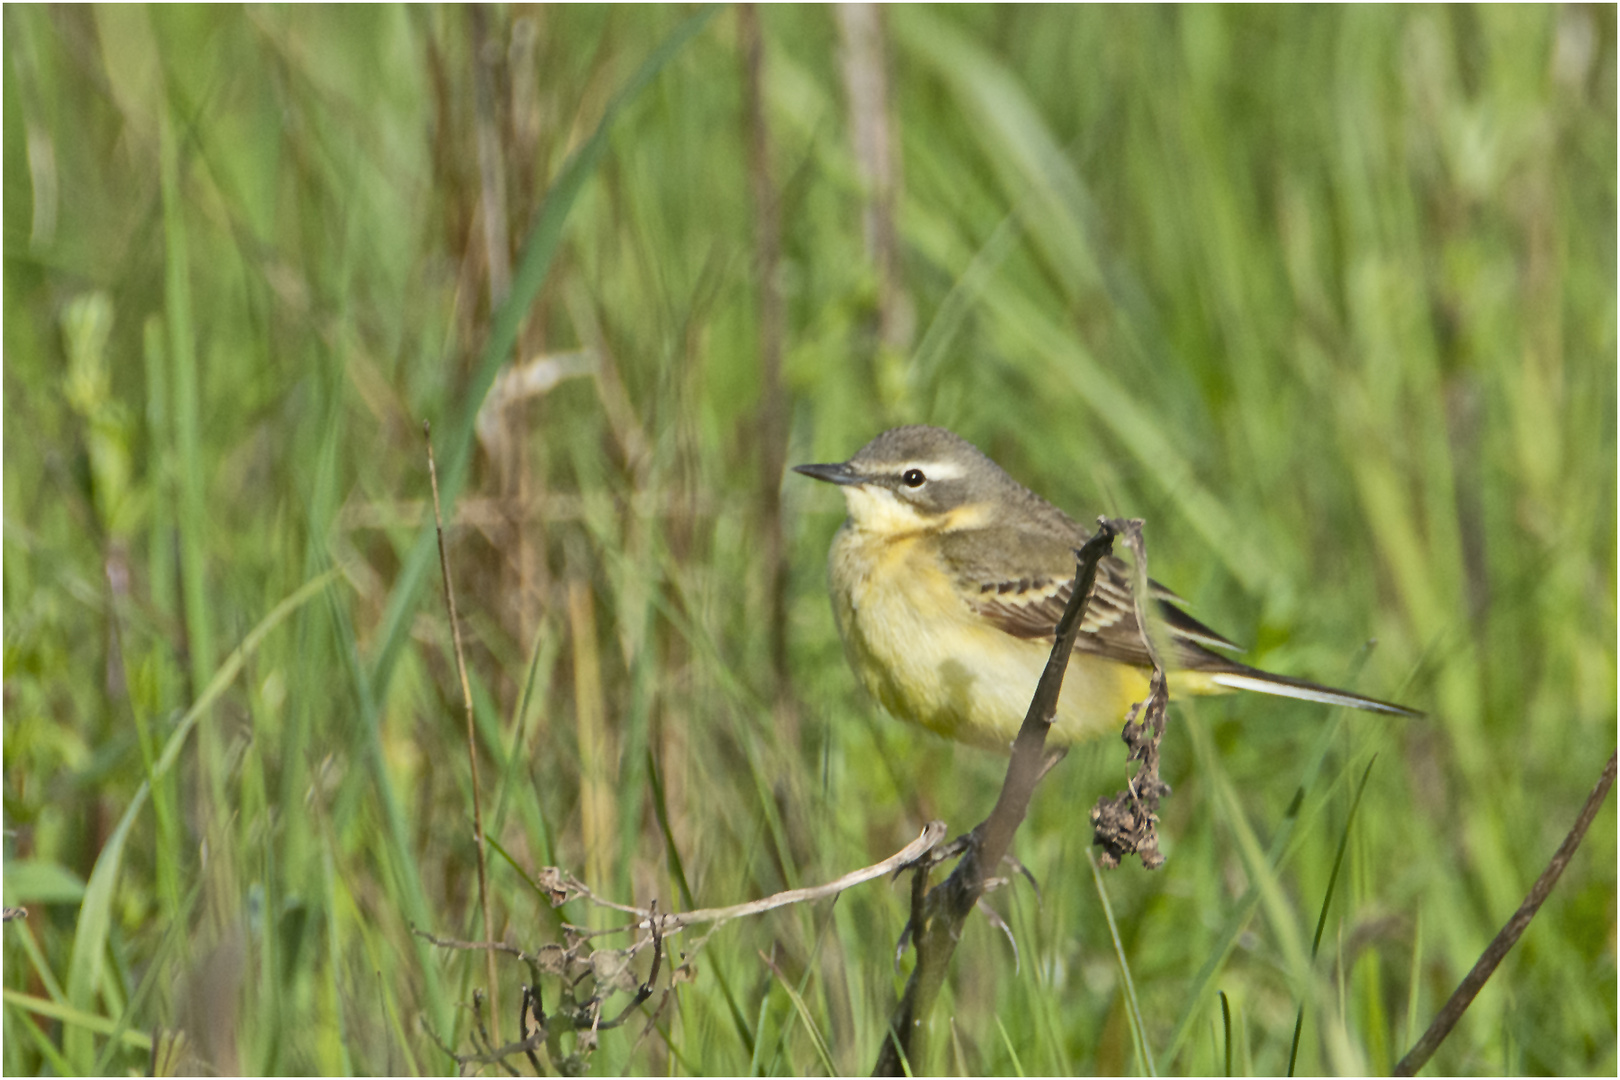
point(929, 659)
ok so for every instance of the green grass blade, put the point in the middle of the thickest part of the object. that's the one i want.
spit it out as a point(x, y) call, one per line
point(1338, 857)
point(90, 937)
point(401, 860)
point(94, 926)
point(157, 966)
point(1244, 908)
point(1012, 1050)
point(1327, 901)
point(1133, 1008)
point(232, 667)
point(1226, 1033)
point(42, 1042)
point(40, 966)
point(190, 460)
point(817, 1040)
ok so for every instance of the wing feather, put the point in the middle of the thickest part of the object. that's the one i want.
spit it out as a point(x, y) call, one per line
point(1031, 608)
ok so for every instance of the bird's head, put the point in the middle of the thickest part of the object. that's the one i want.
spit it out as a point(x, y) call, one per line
point(918, 479)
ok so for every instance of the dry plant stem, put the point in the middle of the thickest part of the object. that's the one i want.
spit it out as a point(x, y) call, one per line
point(491, 168)
point(564, 887)
point(584, 1019)
point(530, 1006)
point(481, 1030)
point(1464, 995)
point(472, 745)
point(502, 434)
point(937, 919)
point(1128, 823)
point(473, 946)
point(772, 405)
point(673, 923)
point(866, 85)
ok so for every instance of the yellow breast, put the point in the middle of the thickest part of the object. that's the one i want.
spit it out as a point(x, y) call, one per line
point(930, 659)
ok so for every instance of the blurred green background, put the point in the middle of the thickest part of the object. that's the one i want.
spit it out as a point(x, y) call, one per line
point(1327, 296)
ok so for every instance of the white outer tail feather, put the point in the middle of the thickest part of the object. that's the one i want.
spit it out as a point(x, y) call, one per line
point(1264, 684)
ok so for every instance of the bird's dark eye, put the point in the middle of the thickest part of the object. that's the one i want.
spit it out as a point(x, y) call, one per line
point(914, 478)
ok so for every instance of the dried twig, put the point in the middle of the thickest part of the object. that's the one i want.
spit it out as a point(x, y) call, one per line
point(475, 946)
point(673, 923)
point(481, 1031)
point(608, 968)
point(584, 1018)
point(1128, 823)
point(531, 1006)
point(1475, 980)
point(472, 744)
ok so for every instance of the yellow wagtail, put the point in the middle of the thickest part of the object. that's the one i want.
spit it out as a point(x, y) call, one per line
point(948, 579)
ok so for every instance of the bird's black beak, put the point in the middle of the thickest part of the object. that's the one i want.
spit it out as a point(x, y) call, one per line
point(833, 474)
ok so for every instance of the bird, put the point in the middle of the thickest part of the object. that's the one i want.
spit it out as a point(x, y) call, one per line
point(948, 579)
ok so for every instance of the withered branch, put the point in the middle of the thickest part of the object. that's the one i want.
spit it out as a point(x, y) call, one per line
point(1128, 823)
point(591, 976)
point(1509, 935)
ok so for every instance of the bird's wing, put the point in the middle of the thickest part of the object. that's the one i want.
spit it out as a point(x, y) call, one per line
point(1030, 608)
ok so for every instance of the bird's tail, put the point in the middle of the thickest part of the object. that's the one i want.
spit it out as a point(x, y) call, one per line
point(1241, 677)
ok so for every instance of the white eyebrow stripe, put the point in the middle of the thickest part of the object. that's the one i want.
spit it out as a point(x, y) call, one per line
point(937, 470)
